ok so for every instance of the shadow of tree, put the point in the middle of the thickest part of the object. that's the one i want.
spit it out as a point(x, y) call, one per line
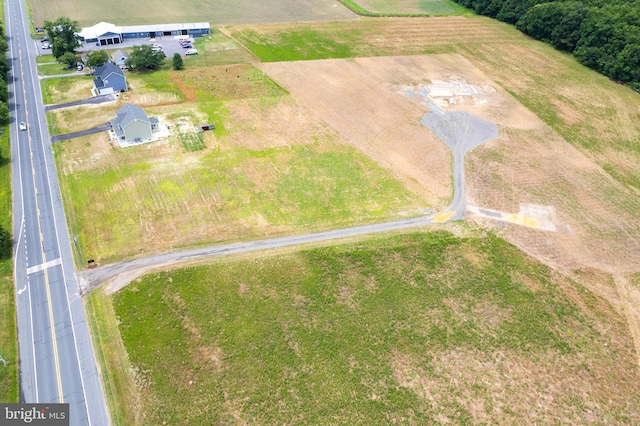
point(5, 244)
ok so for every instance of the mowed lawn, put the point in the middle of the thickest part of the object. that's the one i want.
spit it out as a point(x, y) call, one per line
point(427, 7)
point(122, 12)
point(421, 328)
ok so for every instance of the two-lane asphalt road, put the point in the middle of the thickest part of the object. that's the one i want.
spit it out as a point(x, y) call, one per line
point(57, 363)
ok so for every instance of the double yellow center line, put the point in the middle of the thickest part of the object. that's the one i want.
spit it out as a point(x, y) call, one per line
point(44, 259)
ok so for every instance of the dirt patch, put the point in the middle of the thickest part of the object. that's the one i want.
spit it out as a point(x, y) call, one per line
point(189, 92)
point(500, 387)
point(357, 104)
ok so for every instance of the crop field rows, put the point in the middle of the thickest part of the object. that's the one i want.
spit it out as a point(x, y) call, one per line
point(373, 36)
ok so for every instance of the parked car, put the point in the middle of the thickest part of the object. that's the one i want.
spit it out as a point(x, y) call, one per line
point(22, 125)
point(46, 46)
point(43, 39)
point(192, 52)
point(187, 46)
point(185, 41)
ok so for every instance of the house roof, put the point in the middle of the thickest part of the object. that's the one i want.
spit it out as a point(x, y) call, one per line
point(129, 113)
point(164, 27)
point(104, 28)
point(103, 72)
point(99, 30)
point(119, 54)
point(126, 115)
point(107, 69)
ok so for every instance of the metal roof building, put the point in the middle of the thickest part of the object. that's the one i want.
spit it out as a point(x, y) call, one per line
point(105, 33)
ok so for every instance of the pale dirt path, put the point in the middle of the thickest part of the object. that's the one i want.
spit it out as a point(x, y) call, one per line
point(630, 301)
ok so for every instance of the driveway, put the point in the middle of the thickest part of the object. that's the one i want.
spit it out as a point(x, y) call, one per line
point(97, 129)
point(91, 101)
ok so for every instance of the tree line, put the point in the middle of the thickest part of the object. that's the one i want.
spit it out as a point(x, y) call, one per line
point(4, 70)
point(602, 34)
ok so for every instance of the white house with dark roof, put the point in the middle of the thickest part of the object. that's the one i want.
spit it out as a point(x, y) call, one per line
point(109, 79)
point(132, 126)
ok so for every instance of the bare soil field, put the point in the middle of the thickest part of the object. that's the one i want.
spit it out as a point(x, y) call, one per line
point(218, 12)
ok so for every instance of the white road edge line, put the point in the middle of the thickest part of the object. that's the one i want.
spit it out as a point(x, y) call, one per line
point(38, 92)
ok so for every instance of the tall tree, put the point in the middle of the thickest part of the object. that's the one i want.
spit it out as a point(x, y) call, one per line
point(178, 64)
point(69, 59)
point(4, 113)
point(63, 35)
point(97, 58)
point(144, 57)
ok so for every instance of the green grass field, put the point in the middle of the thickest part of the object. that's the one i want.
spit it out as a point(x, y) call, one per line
point(192, 142)
point(418, 329)
point(404, 7)
point(54, 69)
point(8, 338)
point(302, 189)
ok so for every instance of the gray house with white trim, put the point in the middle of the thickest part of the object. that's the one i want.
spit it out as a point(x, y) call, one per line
point(132, 126)
point(109, 79)
point(119, 57)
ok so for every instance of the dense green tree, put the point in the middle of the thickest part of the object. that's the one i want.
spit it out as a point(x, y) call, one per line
point(178, 64)
point(144, 57)
point(69, 59)
point(5, 244)
point(608, 41)
point(96, 58)
point(566, 34)
point(63, 35)
point(512, 10)
point(4, 91)
point(540, 20)
point(4, 113)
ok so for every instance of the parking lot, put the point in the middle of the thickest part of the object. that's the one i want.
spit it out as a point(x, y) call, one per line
point(170, 45)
